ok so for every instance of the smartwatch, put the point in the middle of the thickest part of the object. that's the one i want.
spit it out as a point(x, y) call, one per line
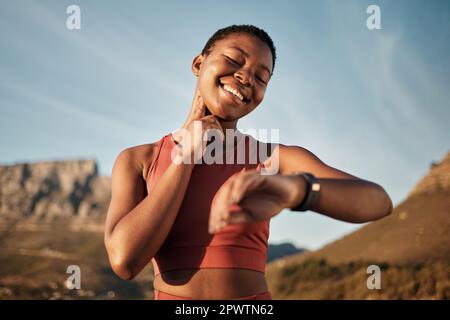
point(311, 195)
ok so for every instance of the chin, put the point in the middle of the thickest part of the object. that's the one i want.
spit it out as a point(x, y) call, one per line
point(224, 112)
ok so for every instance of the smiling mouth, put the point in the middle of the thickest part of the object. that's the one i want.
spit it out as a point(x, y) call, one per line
point(233, 96)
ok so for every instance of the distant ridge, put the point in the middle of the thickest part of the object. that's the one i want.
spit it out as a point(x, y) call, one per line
point(417, 230)
point(281, 250)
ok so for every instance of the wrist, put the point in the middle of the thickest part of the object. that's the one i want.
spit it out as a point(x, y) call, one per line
point(298, 190)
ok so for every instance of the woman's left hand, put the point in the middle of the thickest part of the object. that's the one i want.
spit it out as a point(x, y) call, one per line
point(248, 196)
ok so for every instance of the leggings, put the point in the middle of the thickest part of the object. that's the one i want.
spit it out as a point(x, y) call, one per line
point(161, 295)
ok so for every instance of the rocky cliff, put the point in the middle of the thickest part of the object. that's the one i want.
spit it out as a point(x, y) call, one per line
point(46, 190)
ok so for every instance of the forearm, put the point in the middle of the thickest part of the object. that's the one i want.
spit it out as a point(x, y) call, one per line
point(138, 235)
point(352, 200)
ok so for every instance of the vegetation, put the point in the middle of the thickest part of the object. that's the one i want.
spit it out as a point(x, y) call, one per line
point(319, 279)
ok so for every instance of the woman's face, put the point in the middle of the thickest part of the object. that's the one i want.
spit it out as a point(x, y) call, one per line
point(240, 63)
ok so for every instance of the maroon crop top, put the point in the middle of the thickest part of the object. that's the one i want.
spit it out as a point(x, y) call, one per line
point(188, 244)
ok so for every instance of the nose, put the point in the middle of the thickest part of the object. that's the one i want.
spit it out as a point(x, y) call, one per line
point(243, 77)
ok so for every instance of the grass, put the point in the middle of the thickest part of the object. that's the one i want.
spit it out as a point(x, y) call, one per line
point(319, 279)
point(35, 274)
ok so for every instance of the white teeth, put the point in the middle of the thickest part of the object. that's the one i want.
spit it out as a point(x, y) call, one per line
point(236, 93)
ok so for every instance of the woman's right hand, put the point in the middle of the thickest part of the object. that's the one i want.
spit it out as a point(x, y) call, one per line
point(190, 137)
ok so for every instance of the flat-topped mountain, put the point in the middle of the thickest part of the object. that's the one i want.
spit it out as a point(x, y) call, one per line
point(46, 190)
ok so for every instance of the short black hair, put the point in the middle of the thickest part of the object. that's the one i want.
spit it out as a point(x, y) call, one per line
point(242, 28)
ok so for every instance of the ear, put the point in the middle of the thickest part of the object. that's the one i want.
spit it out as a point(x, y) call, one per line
point(196, 64)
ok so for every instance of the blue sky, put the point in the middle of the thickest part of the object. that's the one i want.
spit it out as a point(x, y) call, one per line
point(372, 103)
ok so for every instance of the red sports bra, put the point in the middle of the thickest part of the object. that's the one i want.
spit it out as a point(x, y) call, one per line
point(188, 244)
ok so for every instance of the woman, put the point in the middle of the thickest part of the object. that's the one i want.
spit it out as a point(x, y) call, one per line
point(205, 226)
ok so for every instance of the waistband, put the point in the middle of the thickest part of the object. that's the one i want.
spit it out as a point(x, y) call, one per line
point(161, 295)
point(199, 257)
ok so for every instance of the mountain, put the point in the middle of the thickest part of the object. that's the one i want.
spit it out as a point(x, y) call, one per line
point(48, 190)
point(52, 215)
point(413, 242)
point(282, 250)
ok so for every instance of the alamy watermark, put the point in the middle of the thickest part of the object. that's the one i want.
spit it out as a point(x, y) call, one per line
point(374, 280)
point(74, 280)
point(73, 21)
point(244, 147)
point(373, 22)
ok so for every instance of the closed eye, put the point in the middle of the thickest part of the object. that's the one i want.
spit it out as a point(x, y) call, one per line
point(233, 61)
point(238, 64)
point(261, 80)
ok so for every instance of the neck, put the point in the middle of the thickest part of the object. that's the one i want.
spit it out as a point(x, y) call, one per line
point(228, 124)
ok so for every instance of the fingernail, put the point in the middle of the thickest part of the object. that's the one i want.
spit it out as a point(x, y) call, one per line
point(234, 208)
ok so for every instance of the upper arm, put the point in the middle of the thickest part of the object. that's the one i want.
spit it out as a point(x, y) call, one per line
point(127, 188)
point(295, 158)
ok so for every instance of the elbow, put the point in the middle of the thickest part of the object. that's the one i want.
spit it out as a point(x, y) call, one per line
point(120, 263)
point(380, 207)
point(384, 206)
point(122, 268)
point(387, 206)
point(390, 206)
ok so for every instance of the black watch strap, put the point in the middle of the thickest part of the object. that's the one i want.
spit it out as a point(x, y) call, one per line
point(311, 195)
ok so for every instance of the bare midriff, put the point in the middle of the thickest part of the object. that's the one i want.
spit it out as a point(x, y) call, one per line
point(211, 283)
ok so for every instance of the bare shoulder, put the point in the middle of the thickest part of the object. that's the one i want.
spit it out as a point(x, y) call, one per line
point(295, 158)
point(128, 187)
point(291, 152)
point(142, 156)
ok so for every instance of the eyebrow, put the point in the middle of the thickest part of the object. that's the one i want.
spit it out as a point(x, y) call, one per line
point(246, 54)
